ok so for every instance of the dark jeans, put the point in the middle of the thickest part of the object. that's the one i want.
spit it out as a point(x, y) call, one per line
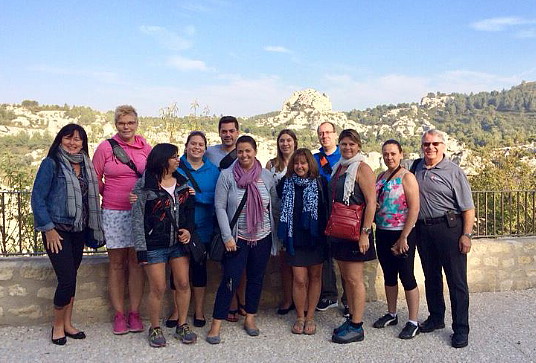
point(329, 281)
point(254, 260)
point(396, 266)
point(65, 264)
point(439, 249)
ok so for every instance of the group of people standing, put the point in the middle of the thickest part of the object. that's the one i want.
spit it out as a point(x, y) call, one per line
point(156, 204)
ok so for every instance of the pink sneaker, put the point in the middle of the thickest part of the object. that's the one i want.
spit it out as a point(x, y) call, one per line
point(120, 324)
point(134, 322)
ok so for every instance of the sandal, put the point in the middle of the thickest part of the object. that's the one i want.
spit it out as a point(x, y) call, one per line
point(298, 326)
point(310, 327)
point(232, 316)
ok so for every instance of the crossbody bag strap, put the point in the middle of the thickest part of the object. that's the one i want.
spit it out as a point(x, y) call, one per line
point(239, 210)
point(190, 177)
point(228, 159)
point(380, 191)
point(122, 156)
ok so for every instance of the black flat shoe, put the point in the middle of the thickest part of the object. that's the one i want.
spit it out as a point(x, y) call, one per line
point(59, 341)
point(79, 335)
point(170, 323)
point(281, 311)
point(199, 323)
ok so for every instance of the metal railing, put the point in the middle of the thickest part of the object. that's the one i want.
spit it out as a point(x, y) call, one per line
point(498, 213)
point(505, 213)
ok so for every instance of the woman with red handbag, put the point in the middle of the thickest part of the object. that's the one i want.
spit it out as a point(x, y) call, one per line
point(353, 202)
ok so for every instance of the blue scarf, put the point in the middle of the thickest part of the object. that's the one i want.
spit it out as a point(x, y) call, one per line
point(308, 219)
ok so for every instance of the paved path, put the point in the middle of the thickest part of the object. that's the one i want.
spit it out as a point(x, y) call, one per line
point(503, 328)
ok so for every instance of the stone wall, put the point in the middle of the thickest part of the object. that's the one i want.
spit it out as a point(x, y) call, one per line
point(27, 284)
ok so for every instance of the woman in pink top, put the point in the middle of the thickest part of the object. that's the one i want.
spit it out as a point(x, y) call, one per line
point(116, 180)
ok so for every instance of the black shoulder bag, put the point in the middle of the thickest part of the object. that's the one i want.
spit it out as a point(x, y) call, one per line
point(216, 250)
point(195, 248)
point(122, 156)
point(413, 167)
point(228, 160)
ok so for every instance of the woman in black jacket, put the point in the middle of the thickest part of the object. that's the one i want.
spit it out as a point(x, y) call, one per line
point(301, 228)
point(163, 223)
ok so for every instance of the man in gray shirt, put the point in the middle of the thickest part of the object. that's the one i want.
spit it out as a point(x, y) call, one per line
point(444, 232)
point(224, 154)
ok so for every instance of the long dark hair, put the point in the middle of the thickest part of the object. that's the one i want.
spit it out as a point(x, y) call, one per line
point(67, 130)
point(158, 159)
point(278, 162)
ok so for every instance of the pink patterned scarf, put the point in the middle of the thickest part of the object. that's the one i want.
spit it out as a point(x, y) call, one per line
point(247, 179)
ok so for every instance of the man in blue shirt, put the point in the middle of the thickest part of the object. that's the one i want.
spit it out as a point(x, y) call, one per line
point(327, 156)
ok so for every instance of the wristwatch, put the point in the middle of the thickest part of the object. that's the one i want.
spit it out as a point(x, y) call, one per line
point(470, 235)
point(366, 230)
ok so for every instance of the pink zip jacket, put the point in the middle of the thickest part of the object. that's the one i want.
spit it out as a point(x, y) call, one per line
point(116, 180)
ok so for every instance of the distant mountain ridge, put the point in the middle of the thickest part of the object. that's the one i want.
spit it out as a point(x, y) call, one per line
point(495, 119)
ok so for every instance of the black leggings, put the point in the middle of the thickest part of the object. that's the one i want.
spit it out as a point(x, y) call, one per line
point(394, 266)
point(198, 274)
point(65, 264)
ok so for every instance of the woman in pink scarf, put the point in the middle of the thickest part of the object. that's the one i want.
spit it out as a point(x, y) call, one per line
point(249, 243)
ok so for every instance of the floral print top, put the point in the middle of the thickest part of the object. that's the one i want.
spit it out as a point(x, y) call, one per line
point(392, 212)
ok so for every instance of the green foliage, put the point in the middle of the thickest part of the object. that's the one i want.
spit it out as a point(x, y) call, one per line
point(505, 194)
point(494, 119)
point(6, 116)
point(84, 114)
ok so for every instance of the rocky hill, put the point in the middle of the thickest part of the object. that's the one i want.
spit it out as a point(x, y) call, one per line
point(487, 119)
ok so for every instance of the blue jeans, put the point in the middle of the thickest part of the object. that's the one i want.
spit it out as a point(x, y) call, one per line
point(254, 260)
point(164, 255)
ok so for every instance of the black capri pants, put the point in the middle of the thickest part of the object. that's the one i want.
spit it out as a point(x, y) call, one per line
point(198, 274)
point(65, 264)
point(394, 266)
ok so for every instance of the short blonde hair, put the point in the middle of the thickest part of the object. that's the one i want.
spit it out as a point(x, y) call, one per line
point(124, 110)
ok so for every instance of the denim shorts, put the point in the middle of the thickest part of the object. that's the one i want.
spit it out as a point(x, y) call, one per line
point(163, 255)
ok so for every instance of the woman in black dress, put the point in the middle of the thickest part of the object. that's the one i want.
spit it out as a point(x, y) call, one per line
point(352, 183)
point(301, 229)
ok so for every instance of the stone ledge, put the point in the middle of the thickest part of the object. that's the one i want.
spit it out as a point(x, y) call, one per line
point(27, 284)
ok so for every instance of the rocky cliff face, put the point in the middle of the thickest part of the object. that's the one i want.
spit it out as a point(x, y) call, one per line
point(303, 111)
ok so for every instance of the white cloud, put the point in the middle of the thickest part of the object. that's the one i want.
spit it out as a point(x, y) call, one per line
point(276, 49)
point(100, 76)
point(169, 39)
point(499, 23)
point(186, 64)
point(525, 34)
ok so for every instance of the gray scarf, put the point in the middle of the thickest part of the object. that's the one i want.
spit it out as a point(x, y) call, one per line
point(74, 194)
point(351, 173)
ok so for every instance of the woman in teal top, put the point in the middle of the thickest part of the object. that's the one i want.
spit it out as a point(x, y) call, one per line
point(202, 177)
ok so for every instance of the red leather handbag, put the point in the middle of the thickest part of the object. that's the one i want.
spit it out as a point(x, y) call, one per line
point(345, 220)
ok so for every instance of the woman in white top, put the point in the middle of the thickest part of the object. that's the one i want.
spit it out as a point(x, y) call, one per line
point(287, 143)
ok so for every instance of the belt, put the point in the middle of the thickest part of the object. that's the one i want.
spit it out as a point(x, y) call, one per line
point(437, 220)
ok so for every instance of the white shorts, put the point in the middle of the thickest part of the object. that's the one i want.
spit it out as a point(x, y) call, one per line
point(117, 226)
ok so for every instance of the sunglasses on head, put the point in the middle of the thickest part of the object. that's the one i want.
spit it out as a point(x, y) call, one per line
point(435, 143)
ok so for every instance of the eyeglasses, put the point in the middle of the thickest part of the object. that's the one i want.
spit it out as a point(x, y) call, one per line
point(322, 133)
point(123, 124)
point(435, 143)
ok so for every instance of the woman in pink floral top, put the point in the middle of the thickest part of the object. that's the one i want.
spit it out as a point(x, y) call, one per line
point(398, 207)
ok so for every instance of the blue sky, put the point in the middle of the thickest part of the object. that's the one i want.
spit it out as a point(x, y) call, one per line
point(247, 57)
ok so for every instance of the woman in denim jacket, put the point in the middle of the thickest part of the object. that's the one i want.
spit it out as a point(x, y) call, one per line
point(66, 208)
point(162, 224)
